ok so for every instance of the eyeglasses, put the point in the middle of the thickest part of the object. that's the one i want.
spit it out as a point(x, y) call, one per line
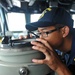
point(44, 34)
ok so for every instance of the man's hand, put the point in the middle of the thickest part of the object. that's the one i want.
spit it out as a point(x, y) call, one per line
point(25, 37)
point(51, 57)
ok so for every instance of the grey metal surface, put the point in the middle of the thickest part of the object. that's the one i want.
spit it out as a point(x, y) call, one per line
point(17, 60)
point(33, 69)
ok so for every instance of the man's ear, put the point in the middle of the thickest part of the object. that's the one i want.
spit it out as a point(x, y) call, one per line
point(65, 31)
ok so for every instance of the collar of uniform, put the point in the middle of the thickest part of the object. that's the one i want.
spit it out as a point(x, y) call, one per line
point(71, 59)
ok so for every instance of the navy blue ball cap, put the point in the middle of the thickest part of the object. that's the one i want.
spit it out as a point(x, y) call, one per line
point(50, 17)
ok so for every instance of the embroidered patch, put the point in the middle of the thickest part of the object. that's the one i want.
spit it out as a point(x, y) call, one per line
point(44, 12)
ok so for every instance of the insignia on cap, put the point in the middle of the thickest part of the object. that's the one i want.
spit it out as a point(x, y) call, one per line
point(74, 59)
point(45, 11)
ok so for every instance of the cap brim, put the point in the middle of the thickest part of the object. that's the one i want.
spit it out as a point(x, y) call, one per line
point(36, 25)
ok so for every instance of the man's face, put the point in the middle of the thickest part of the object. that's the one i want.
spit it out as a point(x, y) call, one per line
point(54, 38)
